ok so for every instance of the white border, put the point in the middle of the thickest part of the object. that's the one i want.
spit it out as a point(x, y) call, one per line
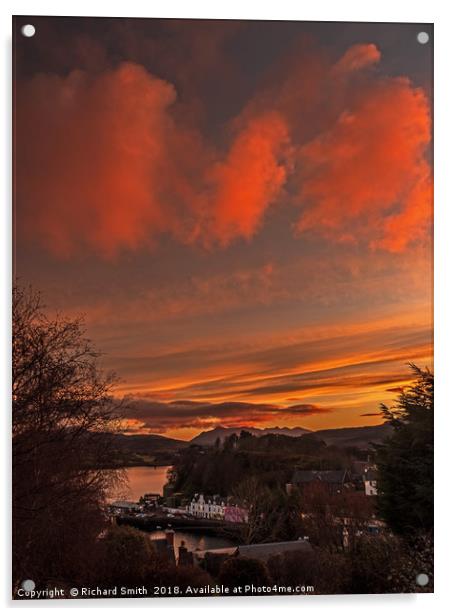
point(326, 10)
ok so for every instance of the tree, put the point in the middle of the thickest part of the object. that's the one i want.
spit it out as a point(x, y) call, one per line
point(390, 564)
point(230, 442)
point(251, 495)
point(328, 573)
point(237, 571)
point(273, 515)
point(126, 557)
point(63, 417)
point(405, 460)
point(326, 514)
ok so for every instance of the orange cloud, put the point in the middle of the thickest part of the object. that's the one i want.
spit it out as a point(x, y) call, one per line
point(91, 155)
point(415, 218)
point(250, 178)
point(357, 57)
point(367, 175)
point(104, 163)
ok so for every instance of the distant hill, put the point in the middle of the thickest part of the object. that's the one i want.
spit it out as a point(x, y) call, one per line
point(153, 449)
point(145, 442)
point(210, 436)
point(340, 437)
point(145, 449)
point(355, 437)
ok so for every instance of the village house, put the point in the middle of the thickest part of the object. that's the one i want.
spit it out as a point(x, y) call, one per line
point(235, 514)
point(370, 482)
point(124, 507)
point(334, 480)
point(209, 507)
point(150, 500)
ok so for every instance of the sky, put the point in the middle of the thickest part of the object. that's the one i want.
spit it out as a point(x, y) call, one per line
point(240, 211)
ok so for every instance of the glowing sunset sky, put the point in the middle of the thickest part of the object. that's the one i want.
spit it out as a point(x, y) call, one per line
point(241, 210)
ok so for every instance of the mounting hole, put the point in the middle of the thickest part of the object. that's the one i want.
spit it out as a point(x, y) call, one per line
point(422, 579)
point(423, 38)
point(28, 30)
point(28, 585)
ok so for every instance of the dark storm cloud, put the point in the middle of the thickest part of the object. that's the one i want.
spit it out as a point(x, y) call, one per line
point(156, 416)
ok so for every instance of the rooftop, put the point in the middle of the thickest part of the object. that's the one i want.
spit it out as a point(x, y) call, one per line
point(260, 551)
point(120, 504)
point(371, 475)
point(325, 476)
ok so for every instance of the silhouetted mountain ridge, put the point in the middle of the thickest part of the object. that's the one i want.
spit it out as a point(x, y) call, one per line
point(210, 436)
point(360, 436)
point(150, 449)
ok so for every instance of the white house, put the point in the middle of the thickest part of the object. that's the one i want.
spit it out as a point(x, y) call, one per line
point(124, 507)
point(370, 482)
point(209, 507)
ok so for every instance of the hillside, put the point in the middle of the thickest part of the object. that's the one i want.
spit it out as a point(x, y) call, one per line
point(145, 449)
point(268, 458)
point(210, 436)
point(359, 437)
point(153, 449)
